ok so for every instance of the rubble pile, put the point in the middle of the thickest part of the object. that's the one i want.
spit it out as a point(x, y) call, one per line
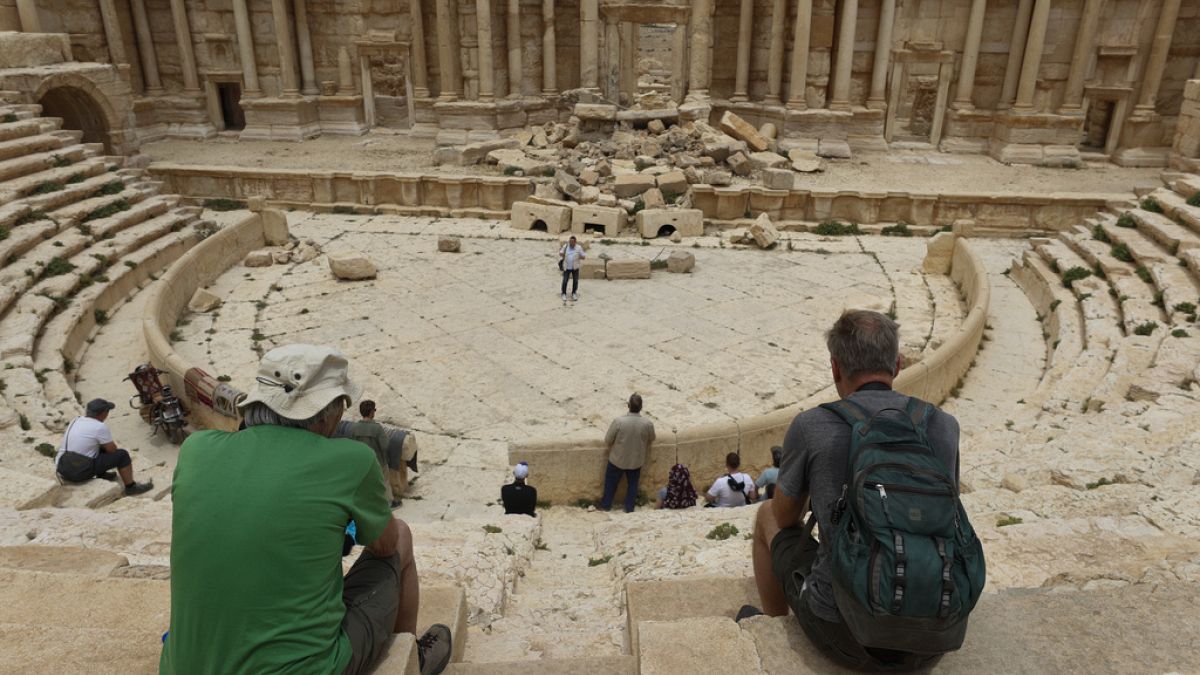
point(642, 161)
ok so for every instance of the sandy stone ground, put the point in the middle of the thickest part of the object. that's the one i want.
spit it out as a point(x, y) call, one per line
point(938, 172)
point(479, 345)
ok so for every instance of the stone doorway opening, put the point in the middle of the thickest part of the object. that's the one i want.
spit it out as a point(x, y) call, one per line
point(652, 63)
point(229, 96)
point(79, 111)
point(1096, 125)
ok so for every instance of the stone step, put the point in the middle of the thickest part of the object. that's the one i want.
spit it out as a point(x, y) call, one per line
point(22, 174)
point(1144, 250)
point(1177, 287)
point(75, 601)
point(106, 652)
point(147, 209)
point(1060, 313)
point(19, 129)
point(97, 177)
point(1135, 628)
point(29, 145)
point(446, 605)
point(608, 665)
point(24, 491)
point(1192, 260)
point(1073, 390)
point(76, 213)
point(1177, 207)
point(1133, 357)
point(1186, 186)
point(61, 559)
point(1167, 233)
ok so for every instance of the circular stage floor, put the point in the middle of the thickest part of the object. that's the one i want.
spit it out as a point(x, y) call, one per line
point(478, 344)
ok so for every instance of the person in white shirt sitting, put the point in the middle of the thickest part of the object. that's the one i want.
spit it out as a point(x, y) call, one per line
point(734, 488)
point(88, 451)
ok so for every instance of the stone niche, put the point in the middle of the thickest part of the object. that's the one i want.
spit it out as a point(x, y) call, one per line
point(921, 74)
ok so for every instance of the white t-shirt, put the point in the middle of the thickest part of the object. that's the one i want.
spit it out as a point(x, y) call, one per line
point(725, 496)
point(572, 256)
point(84, 436)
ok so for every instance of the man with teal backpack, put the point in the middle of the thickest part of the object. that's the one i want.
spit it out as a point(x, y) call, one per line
point(897, 568)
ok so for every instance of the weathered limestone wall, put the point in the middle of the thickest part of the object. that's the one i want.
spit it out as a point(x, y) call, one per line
point(572, 469)
point(168, 299)
point(1185, 151)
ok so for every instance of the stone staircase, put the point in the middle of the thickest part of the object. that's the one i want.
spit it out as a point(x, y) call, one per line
point(79, 235)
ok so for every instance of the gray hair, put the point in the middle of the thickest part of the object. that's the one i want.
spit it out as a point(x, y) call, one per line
point(863, 342)
point(258, 414)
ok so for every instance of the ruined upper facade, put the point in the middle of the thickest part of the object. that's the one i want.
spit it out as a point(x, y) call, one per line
point(1036, 81)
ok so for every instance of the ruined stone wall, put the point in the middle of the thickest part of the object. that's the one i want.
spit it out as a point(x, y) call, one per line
point(8, 15)
point(1185, 152)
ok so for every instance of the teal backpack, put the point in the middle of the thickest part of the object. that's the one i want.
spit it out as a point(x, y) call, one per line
point(907, 566)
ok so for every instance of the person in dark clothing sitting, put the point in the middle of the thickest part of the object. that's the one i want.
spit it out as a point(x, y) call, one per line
point(517, 496)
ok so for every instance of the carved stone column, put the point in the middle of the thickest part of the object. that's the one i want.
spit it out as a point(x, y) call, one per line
point(1034, 46)
point(745, 28)
point(1081, 60)
point(1015, 53)
point(141, 28)
point(840, 100)
point(245, 38)
point(483, 32)
point(287, 52)
point(549, 51)
point(775, 55)
point(308, 70)
point(420, 72)
point(513, 32)
point(701, 67)
point(112, 32)
point(1161, 47)
point(883, 53)
point(800, 40)
point(970, 57)
point(447, 33)
point(589, 44)
point(612, 60)
point(27, 12)
point(187, 54)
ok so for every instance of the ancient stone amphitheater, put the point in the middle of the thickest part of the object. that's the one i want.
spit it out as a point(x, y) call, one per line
point(1015, 181)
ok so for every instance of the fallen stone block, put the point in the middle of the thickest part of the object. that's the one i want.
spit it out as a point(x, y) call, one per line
point(680, 262)
point(304, 253)
point(632, 185)
point(351, 266)
point(474, 153)
point(804, 161)
point(673, 182)
point(768, 131)
point(939, 253)
point(656, 126)
point(258, 259)
point(767, 160)
point(778, 179)
point(545, 217)
point(593, 269)
point(653, 199)
point(743, 131)
point(512, 162)
point(589, 177)
point(203, 301)
point(764, 232)
point(449, 244)
point(657, 222)
point(739, 164)
point(718, 178)
point(568, 185)
point(596, 112)
point(833, 148)
point(608, 220)
point(628, 269)
point(281, 257)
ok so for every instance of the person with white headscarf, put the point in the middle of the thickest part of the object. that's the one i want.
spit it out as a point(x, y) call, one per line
point(518, 497)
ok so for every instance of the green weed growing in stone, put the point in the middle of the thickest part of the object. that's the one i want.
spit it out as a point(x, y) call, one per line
point(24, 422)
point(46, 450)
point(1009, 520)
point(100, 316)
point(1075, 274)
point(897, 230)
point(492, 529)
point(1145, 328)
point(108, 210)
point(1185, 307)
point(722, 532)
point(1100, 483)
point(1121, 252)
point(55, 267)
point(834, 228)
point(1100, 235)
point(1194, 200)
point(223, 204)
point(1126, 220)
point(1179, 333)
point(1144, 274)
point(1151, 204)
point(594, 562)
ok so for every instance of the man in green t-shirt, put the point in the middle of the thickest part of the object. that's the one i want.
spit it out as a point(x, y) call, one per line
point(258, 526)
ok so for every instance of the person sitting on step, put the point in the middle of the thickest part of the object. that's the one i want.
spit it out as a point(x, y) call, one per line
point(518, 497)
point(88, 451)
point(734, 488)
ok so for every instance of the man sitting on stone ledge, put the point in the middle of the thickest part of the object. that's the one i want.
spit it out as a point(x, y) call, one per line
point(88, 451)
point(791, 569)
point(257, 534)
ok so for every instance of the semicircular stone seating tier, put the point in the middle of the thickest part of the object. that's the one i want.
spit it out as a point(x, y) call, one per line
point(79, 234)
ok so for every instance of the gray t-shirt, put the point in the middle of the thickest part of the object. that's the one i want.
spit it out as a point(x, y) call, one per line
point(814, 463)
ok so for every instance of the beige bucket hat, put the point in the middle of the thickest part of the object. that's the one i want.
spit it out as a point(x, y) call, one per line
point(298, 381)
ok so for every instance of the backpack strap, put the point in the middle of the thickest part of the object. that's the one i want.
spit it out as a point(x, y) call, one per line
point(850, 412)
point(919, 412)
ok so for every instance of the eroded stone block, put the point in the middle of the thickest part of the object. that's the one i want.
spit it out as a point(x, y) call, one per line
point(351, 266)
point(680, 262)
point(687, 222)
point(628, 269)
point(545, 217)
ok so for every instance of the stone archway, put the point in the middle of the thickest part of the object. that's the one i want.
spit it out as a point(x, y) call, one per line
point(79, 111)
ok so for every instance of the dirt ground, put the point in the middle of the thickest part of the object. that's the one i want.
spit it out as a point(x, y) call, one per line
point(910, 170)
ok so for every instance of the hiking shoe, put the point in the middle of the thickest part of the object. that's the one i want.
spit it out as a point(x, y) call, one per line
point(108, 475)
point(136, 488)
point(747, 611)
point(564, 297)
point(433, 649)
point(574, 297)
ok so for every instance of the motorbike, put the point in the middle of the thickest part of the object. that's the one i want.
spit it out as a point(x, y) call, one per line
point(157, 404)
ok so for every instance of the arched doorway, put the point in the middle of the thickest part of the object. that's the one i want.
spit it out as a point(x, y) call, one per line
point(79, 111)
